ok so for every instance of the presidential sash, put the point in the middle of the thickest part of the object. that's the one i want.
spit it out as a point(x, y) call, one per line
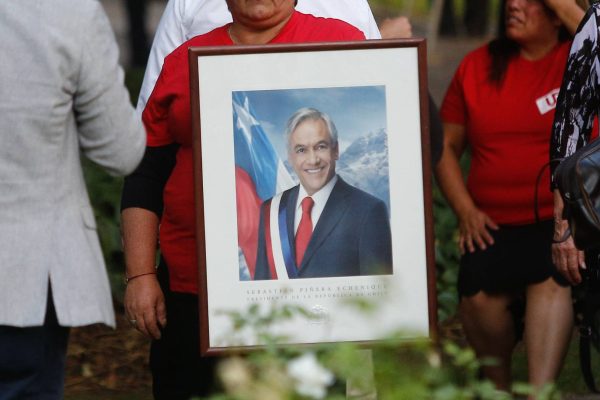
point(279, 251)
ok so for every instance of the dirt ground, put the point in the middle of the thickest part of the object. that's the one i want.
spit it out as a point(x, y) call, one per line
point(103, 363)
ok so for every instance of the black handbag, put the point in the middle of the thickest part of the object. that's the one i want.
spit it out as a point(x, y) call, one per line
point(578, 180)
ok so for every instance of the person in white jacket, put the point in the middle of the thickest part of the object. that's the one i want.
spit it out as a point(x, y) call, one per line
point(61, 97)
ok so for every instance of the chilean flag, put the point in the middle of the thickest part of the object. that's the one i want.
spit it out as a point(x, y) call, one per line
point(259, 175)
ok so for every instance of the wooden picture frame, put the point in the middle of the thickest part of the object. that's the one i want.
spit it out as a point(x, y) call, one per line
point(237, 91)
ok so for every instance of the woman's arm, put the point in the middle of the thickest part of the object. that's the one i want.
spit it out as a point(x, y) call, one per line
point(395, 28)
point(577, 102)
point(144, 300)
point(565, 255)
point(569, 13)
point(474, 224)
point(141, 208)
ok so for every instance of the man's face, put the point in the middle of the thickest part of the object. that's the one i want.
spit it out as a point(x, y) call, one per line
point(312, 154)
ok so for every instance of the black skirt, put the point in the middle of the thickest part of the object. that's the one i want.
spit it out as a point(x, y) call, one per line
point(520, 256)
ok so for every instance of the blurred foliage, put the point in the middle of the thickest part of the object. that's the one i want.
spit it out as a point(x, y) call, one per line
point(447, 255)
point(133, 81)
point(392, 368)
point(415, 7)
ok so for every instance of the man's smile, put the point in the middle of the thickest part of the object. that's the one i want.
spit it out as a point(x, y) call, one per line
point(313, 170)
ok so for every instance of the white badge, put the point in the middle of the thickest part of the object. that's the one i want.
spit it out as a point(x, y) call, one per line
point(547, 102)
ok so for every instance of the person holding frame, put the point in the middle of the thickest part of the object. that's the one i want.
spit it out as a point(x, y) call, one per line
point(501, 102)
point(160, 193)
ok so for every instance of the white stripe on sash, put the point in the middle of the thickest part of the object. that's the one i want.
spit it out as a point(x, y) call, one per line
point(276, 239)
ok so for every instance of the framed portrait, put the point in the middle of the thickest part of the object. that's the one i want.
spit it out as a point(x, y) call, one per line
point(312, 184)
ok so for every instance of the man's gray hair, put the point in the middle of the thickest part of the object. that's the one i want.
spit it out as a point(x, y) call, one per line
point(308, 113)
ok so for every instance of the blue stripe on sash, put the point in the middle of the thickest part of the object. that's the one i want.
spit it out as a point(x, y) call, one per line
point(290, 265)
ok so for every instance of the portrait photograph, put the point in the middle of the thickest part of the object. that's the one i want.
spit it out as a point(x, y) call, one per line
point(312, 185)
point(267, 164)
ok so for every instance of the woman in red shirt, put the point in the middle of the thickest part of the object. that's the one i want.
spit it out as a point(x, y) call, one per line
point(161, 192)
point(501, 103)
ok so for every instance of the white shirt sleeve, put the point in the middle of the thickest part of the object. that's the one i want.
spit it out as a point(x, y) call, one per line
point(354, 12)
point(181, 20)
point(169, 35)
point(184, 19)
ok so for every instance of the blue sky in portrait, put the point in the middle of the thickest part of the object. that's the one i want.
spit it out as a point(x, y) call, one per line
point(356, 111)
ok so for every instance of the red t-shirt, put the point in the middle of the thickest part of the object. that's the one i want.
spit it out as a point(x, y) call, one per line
point(508, 128)
point(167, 118)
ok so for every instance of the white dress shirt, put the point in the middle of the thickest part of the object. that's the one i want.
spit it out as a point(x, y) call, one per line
point(320, 198)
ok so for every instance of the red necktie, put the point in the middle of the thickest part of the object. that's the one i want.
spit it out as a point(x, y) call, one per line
point(304, 229)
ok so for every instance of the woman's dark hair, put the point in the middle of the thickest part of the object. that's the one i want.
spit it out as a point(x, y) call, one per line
point(502, 49)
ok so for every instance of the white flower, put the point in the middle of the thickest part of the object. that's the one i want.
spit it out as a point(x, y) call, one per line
point(311, 378)
point(235, 374)
point(434, 359)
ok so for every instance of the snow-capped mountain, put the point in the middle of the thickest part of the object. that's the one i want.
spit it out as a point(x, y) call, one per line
point(364, 164)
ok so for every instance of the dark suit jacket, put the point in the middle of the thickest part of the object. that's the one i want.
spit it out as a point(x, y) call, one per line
point(351, 238)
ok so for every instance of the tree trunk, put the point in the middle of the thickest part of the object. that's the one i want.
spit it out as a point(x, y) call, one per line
point(447, 22)
point(476, 17)
point(138, 40)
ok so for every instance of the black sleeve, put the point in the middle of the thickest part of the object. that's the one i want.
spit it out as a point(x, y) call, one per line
point(144, 187)
point(436, 133)
point(577, 103)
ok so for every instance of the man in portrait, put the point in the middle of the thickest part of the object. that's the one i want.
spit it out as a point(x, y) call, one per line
point(322, 227)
